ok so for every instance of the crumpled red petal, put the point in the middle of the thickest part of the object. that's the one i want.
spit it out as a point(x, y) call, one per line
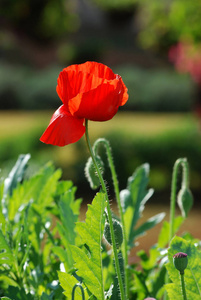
point(99, 104)
point(71, 83)
point(98, 69)
point(63, 128)
point(125, 92)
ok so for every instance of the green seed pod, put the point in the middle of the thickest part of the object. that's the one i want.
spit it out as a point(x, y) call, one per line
point(180, 261)
point(118, 233)
point(185, 201)
point(90, 172)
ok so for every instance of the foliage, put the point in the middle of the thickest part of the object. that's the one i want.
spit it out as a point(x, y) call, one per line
point(41, 20)
point(165, 89)
point(115, 4)
point(168, 22)
point(44, 247)
point(192, 273)
point(185, 141)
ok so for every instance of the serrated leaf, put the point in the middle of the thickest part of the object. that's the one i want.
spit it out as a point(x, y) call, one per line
point(88, 261)
point(191, 274)
point(150, 223)
point(48, 189)
point(69, 209)
point(67, 282)
point(39, 189)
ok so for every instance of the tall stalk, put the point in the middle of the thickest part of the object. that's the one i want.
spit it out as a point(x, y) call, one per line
point(121, 287)
point(117, 195)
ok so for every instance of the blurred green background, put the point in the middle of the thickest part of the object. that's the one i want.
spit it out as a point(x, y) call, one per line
point(159, 123)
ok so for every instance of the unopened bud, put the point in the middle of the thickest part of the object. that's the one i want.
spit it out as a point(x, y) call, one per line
point(180, 261)
point(118, 233)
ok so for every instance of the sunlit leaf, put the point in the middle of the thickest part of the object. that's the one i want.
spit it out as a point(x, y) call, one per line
point(150, 223)
point(6, 255)
point(88, 259)
point(133, 200)
point(164, 234)
point(191, 274)
point(16, 174)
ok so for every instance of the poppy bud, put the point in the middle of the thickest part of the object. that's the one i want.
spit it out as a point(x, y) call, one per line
point(180, 261)
point(185, 201)
point(90, 172)
point(118, 233)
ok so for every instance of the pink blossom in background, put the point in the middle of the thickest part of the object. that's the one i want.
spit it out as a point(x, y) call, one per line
point(187, 59)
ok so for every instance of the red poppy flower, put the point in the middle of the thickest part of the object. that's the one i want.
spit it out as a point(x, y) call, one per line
point(88, 91)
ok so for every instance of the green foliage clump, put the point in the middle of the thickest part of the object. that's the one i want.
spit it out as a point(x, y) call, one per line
point(46, 252)
point(40, 236)
point(41, 20)
point(165, 89)
point(168, 22)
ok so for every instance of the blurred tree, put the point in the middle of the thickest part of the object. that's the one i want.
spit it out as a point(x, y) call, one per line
point(163, 23)
point(115, 4)
point(39, 19)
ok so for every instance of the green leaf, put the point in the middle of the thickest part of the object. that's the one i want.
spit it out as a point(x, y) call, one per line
point(39, 189)
point(6, 255)
point(185, 201)
point(90, 265)
point(45, 296)
point(150, 223)
point(17, 293)
point(191, 274)
point(88, 260)
point(163, 238)
point(67, 282)
point(69, 210)
point(133, 199)
point(16, 174)
point(5, 298)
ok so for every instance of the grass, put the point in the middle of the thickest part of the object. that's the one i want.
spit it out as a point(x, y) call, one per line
point(13, 123)
point(158, 138)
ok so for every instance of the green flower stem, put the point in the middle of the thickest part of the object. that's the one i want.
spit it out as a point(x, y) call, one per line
point(179, 162)
point(116, 189)
point(185, 177)
point(108, 211)
point(183, 286)
point(82, 291)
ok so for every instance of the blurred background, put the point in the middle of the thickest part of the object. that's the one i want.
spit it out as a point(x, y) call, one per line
point(154, 45)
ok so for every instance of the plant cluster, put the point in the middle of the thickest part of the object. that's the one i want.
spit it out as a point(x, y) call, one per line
point(47, 252)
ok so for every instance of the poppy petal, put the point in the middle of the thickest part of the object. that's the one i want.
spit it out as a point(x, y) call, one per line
point(71, 83)
point(99, 104)
point(98, 69)
point(63, 128)
point(125, 93)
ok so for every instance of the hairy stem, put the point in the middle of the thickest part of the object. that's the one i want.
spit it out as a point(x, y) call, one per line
point(116, 189)
point(179, 162)
point(185, 183)
point(109, 214)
